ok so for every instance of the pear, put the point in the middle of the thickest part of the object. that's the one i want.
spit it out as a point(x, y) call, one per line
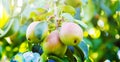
point(70, 33)
point(37, 31)
point(53, 45)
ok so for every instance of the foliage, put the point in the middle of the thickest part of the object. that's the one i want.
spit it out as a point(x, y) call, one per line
point(99, 19)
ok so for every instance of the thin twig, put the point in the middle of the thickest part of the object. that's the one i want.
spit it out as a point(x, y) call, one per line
point(56, 14)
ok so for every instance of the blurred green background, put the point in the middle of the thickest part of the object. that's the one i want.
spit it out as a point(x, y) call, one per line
point(100, 20)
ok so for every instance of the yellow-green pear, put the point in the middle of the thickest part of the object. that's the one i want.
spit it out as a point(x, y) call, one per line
point(70, 33)
point(37, 31)
point(53, 45)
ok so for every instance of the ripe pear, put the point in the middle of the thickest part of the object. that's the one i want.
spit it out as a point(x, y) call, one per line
point(53, 45)
point(70, 33)
point(37, 31)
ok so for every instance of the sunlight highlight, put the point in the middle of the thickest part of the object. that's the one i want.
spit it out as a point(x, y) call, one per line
point(94, 55)
point(118, 53)
point(1, 10)
point(20, 3)
point(94, 33)
point(117, 36)
point(100, 23)
point(107, 60)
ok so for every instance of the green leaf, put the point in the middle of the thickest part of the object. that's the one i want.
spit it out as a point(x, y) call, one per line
point(14, 28)
point(27, 11)
point(44, 16)
point(39, 3)
point(56, 58)
point(78, 54)
point(67, 17)
point(70, 55)
point(77, 14)
point(88, 42)
point(83, 46)
point(81, 23)
point(68, 9)
point(6, 5)
point(74, 3)
point(96, 43)
point(89, 60)
point(106, 9)
point(11, 27)
point(88, 11)
point(65, 59)
point(19, 57)
point(43, 58)
point(41, 30)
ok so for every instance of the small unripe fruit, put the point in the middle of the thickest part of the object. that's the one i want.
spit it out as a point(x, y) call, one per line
point(37, 31)
point(53, 45)
point(71, 33)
